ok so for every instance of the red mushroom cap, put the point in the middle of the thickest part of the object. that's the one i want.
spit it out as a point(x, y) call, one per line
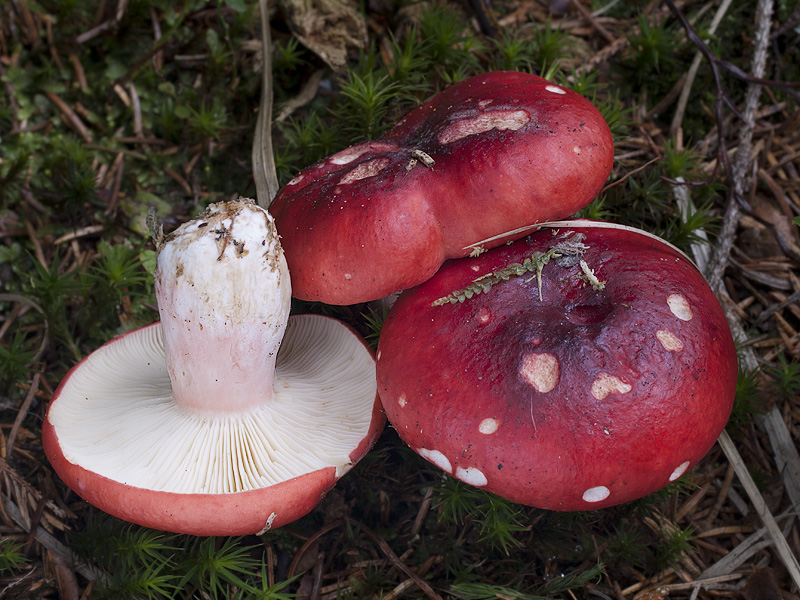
point(486, 155)
point(585, 366)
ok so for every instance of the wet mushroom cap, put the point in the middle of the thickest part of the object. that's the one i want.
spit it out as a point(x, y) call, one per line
point(481, 158)
point(582, 367)
point(115, 436)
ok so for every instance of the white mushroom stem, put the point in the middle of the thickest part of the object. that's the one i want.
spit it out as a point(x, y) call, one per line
point(224, 294)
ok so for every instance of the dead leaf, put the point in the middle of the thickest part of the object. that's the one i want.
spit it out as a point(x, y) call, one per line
point(329, 28)
point(762, 585)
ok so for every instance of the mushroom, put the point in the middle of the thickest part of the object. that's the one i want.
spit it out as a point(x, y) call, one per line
point(199, 424)
point(584, 366)
point(484, 156)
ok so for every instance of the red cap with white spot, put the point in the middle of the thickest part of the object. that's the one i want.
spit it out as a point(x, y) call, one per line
point(485, 155)
point(584, 366)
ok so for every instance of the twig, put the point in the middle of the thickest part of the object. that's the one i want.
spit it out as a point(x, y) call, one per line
point(23, 410)
point(720, 97)
point(778, 538)
point(73, 120)
point(742, 158)
point(105, 26)
point(628, 174)
point(264, 173)
point(395, 560)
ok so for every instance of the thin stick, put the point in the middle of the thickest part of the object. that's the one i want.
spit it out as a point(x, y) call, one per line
point(23, 410)
point(743, 161)
point(687, 86)
point(264, 173)
point(781, 545)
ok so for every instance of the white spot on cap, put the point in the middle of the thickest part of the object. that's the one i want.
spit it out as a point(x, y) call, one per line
point(296, 180)
point(437, 458)
point(472, 476)
point(475, 268)
point(669, 340)
point(680, 307)
point(348, 276)
point(679, 471)
point(488, 426)
point(485, 103)
point(540, 370)
point(496, 119)
point(484, 315)
point(555, 89)
point(348, 155)
point(378, 355)
point(606, 384)
point(596, 494)
point(365, 169)
point(401, 400)
point(576, 149)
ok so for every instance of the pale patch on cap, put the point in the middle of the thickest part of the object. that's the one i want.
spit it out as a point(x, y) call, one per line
point(596, 494)
point(437, 458)
point(488, 426)
point(402, 400)
point(606, 384)
point(680, 307)
point(472, 476)
point(541, 371)
point(496, 119)
point(555, 89)
point(365, 169)
point(680, 470)
point(348, 155)
point(669, 340)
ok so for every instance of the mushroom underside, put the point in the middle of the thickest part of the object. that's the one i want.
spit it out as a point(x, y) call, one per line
point(123, 424)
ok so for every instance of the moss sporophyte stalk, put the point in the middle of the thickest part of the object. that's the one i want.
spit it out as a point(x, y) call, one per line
point(566, 253)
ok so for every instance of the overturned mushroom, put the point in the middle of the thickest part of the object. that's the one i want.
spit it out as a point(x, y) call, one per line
point(486, 155)
point(199, 424)
point(582, 367)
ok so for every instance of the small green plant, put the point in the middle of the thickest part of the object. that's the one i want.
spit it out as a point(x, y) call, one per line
point(56, 288)
point(120, 268)
point(68, 184)
point(266, 591)
point(367, 100)
point(747, 402)
point(497, 520)
point(551, 45)
point(652, 49)
point(447, 44)
point(12, 556)
point(627, 545)
point(785, 377)
point(554, 588)
point(515, 53)
point(690, 227)
point(206, 122)
point(139, 562)
point(214, 564)
point(16, 360)
point(373, 320)
point(674, 545)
